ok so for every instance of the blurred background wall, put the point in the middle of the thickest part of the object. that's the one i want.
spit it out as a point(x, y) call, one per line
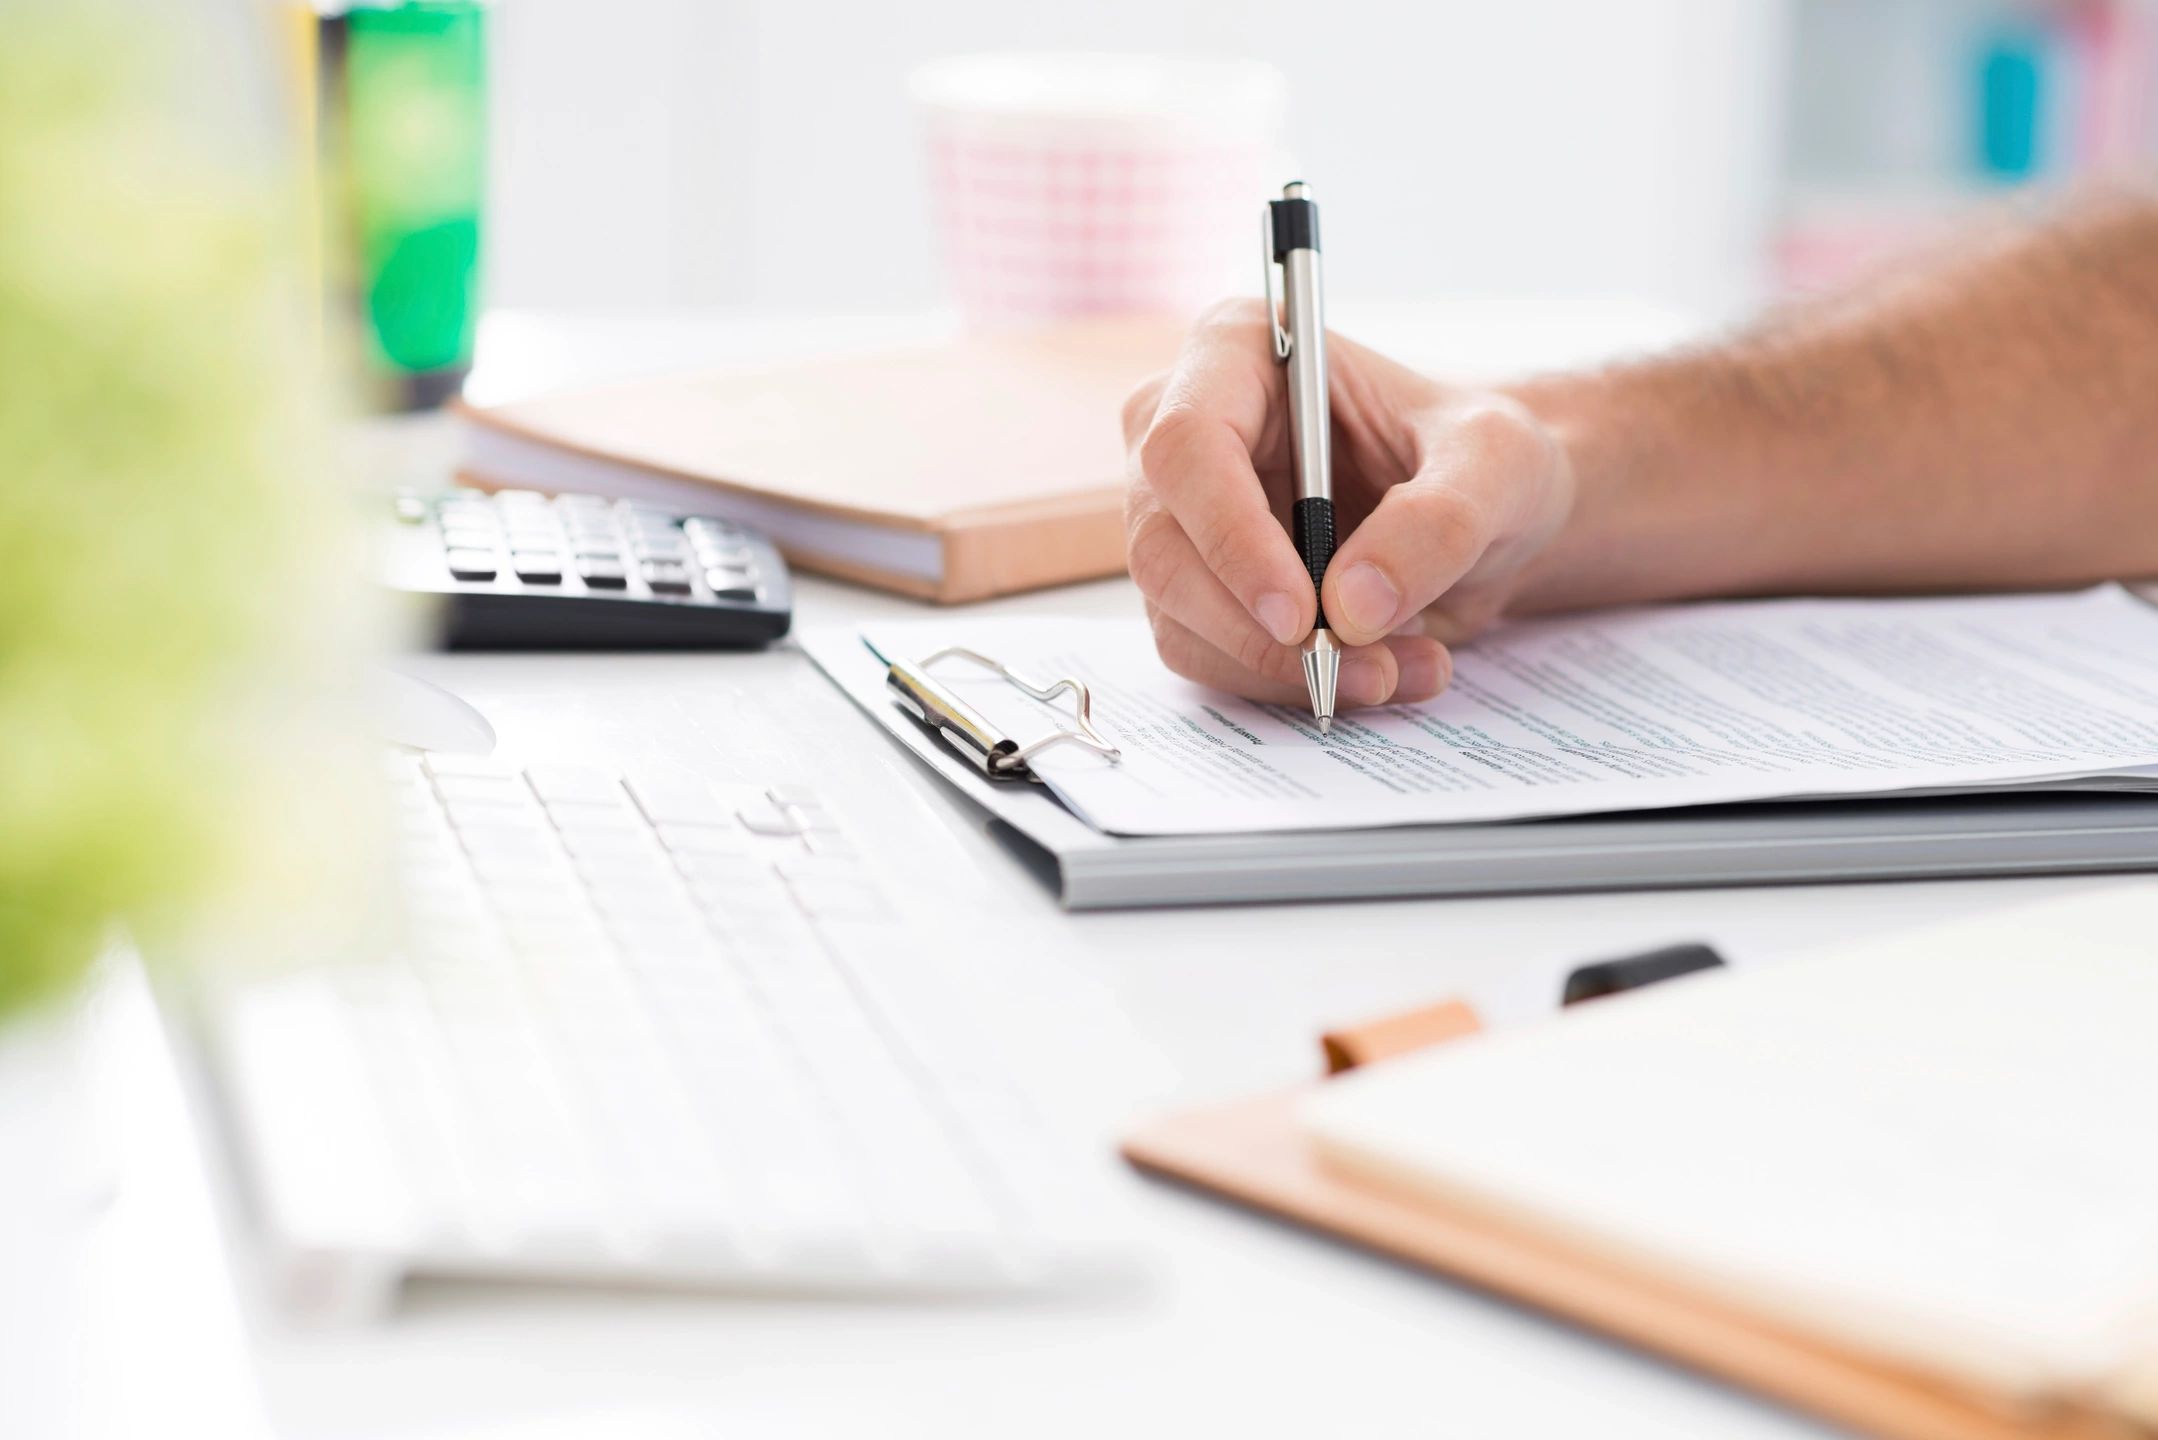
point(1698, 153)
point(1569, 146)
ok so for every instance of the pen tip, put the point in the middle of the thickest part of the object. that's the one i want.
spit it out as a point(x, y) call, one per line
point(1326, 724)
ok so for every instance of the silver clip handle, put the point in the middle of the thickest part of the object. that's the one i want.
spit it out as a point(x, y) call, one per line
point(1283, 341)
point(1082, 707)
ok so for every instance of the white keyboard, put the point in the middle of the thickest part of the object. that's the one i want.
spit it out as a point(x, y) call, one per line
point(644, 1028)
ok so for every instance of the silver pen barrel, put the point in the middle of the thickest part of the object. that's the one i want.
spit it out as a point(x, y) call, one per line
point(1292, 233)
point(1310, 423)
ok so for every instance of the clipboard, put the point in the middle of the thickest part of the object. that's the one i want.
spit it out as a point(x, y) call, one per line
point(1252, 1153)
point(1773, 843)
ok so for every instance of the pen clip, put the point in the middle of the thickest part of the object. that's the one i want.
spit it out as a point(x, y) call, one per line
point(1283, 342)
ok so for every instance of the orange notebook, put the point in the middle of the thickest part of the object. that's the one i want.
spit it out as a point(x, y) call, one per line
point(954, 472)
point(1905, 1186)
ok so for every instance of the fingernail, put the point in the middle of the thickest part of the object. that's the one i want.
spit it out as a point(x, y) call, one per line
point(1422, 676)
point(1277, 612)
point(1362, 681)
point(1369, 599)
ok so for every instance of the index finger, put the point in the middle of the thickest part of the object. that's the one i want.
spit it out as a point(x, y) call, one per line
point(1197, 456)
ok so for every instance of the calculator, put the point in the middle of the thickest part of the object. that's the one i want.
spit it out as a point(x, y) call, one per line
point(519, 570)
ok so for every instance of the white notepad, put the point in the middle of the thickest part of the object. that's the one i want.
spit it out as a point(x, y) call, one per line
point(1633, 710)
point(1937, 1147)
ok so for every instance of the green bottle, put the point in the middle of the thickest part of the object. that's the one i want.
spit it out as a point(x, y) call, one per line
point(405, 88)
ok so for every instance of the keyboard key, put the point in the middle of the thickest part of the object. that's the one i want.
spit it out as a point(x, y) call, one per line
point(665, 577)
point(688, 840)
point(554, 783)
point(503, 868)
point(670, 800)
point(735, 906)
point(467, 563)
point(612, 813)
point(494, 789)
point(603, 843)
point(742, 868)
point(484, 789)
point(443, 764)
point(839, 899)
point(814, 819)
point(765, 818)
point(483, 826)
point(801, 804)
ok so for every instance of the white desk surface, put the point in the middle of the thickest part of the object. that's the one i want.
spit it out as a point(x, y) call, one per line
point(1247, 1329)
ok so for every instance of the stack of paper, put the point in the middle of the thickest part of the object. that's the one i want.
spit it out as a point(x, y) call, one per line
point(1632, 710)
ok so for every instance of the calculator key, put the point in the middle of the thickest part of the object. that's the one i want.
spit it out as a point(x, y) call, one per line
point(704, 527)
point(537, 567)
point(411, 509)
point(733, 557)
point(667, 548)
point(731, 584)
point(666, 577)
point(472, 564)
point(602, 572)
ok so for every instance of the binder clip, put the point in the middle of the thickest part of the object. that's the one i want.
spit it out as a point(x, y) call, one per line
point(995, 754)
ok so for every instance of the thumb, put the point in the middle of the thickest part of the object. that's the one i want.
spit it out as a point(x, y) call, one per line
point(1426, 533)
point(1420, 539)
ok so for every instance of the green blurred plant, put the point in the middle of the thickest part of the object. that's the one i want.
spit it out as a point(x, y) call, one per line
point(154, 533)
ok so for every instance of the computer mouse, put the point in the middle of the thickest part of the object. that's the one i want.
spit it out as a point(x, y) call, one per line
point(421, 715)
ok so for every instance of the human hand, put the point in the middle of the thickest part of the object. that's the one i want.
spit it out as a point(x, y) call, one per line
point(1442, 495)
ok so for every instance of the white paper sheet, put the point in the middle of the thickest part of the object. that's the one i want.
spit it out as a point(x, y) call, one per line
point(1933, 1145)
point(1629, 710)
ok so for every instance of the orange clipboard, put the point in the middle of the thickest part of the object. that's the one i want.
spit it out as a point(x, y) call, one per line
point(1253, 1154)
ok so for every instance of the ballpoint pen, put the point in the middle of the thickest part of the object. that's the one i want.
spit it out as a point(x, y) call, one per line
point(1298, 319)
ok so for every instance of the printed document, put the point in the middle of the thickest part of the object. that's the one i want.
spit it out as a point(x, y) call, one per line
point(1624, 710)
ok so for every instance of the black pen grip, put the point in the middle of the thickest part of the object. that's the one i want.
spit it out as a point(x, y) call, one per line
point(1312, 521)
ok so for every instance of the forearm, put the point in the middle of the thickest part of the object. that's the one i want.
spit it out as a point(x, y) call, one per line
point(1989, 420)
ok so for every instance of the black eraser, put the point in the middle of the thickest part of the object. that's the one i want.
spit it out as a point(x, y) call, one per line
point(1631, 972)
